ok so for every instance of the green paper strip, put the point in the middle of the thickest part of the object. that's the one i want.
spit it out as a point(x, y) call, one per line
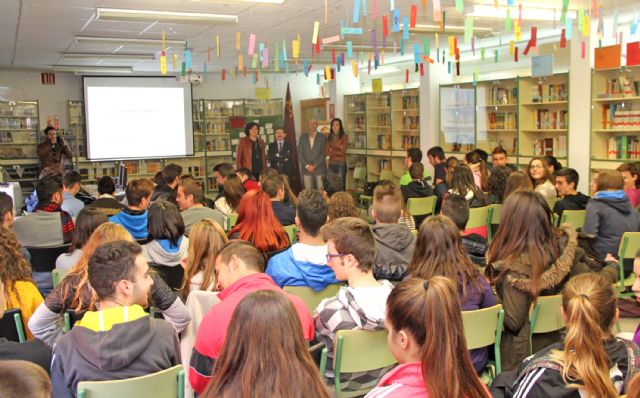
point(459, 5)
point(507, 21)
point(468, 29)
point(426, 50)
point(495, 55)
point(482, 54)
point(184, 68)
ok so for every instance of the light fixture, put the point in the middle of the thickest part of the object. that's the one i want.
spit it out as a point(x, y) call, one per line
point(528, 13)
point(120, 14)
point(241, 1)
point(110, 57)
point(426, 28)
point(92, 69)
point(123, 40)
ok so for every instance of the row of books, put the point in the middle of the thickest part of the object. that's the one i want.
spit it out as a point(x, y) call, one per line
point(623, 147)
point(501, 95)
point(613, 117)
point(410, 122)
point(7, 137)
point(410, 102)
point(382, 120)
point(383, 141)
point(18, 111)
point(554, 92)
point(411, 141)
point(503, 120)
point(219, 144)
point(556, 146)
point(357, 141)
point(380, 101)
point(25, 123)
point(384, 164)
point(622, 86)
point(358, 123)
point(546, 119)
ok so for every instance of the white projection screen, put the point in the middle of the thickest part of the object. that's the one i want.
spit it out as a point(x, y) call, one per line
point(137, 118)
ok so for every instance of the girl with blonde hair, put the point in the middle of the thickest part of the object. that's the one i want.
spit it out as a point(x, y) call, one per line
point(205, 240)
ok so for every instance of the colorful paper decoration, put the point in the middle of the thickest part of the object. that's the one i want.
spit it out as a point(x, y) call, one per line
point(405, 28)
point(563, 39)
point(252, 44)
point(187, 58)
point(376, 85)
point(163, 63)
point(507, 21)
point(437, 11)
point(633, 53)
point(565, 8)
point(468, 29)
point(459, 5)
point(217, 46)
point(385, 26)
point(175, 61)
point(396, 21)
point(607, 57)
point(332, 39)
point(356, 11)
point(413, 15)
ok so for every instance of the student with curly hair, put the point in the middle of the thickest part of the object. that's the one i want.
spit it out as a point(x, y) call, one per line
point(341, 205)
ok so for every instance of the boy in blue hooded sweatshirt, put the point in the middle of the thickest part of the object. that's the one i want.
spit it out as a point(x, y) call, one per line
point(305, 263)
point(134, 217)
point(609, 214)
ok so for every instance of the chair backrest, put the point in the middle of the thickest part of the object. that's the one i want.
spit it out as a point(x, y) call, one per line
point(167, 383)
point(546, 315)
point(11, 326)
point(494, 219)
point(43, 259)
point(231, 221)
point(573, 217)
point(422, 206)
point(629, 245)
point(359, 173)
point(483, 327)
point(70, 318)
point(312, 298)
point(58, 275)
point(387, 175)
point(292, 232)
point(478, 217)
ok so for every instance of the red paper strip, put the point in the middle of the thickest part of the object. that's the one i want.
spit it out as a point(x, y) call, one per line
point(318, 47)
point(333, 74)
point(563, 39)
point(455, 43)
point(429, 59)
point(526, 49)
point(385, 26)
point(375, 10)
point(333, 55)
point(422, 68)
point(413, 15)
point(406, 76)
point(534, 36)
point(224, 72)
point(583, 50)
point(515, 54)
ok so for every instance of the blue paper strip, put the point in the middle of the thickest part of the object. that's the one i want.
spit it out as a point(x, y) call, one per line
point(405, 28)
point(401, 46)
point(416, 53)
point(306, 67)
point(351, 31)
point(568, 25)
point(284, 50)
point(356, 11)
point(187, 58)
point(349, 49)
point(396, 21)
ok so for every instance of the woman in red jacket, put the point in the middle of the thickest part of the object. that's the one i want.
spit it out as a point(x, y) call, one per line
point(251, 150)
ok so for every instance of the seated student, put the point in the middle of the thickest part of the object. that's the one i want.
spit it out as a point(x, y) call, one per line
point(500, 158)
point(394, 242)
point(305, 262)
point(49, 225)
point(462, 183)
point(417, 188)
point(258, 225)
point(119, 340)
point(7, 219)
point(541, 178)
point(221, 171)
point(275, 333)
point(341, 204)
point(232, 193)
point(608, 215)
point(361, 305)
point(497, 184)
point(167, 189)
point(23, 379)
point(475, 245)
point(167, 244)
point(414, 155)
point(71, 186)
point(439, 252)
point(552, 165)
point(438, 161)
point(567, 188)
point(74, 293)
point(478, 165)
point(631, 175)
point(19, 289)
point(274, 187)
point(331, 184)
point(205, 241)
point(191, 201)
point(239, 268)
point(532, 258)
point(248, 181)
point(289, 197)
point(88, 220)
point(590, 362)
point(134, 217)
point(106, 201)
point(517, 181)
point(431, 364)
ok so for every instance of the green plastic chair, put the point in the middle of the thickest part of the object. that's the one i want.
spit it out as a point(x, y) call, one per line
point(629, 245)
point(8, 330)
point(478, 217)
point(422, 206)
point(366, 200)
point(552, 202)
point(387, 175)
point(545, 316)
point(58, 275)
point(312, 298)
point(358, 351)
point(231, 221)
point(494, 219)
point(167, 383)
point(482, 328)
point(292, 232)
point(573, 217)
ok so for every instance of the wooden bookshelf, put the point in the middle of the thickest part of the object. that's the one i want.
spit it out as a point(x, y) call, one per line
point(497, 115)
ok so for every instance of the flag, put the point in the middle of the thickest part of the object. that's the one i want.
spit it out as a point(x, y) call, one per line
point(290, 129)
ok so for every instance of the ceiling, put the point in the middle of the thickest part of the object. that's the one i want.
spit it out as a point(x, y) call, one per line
point(35, 33)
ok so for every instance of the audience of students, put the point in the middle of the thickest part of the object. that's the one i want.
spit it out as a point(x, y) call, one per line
point(239, 270)
point(232, 193)
point(631, 175)
point(305, 262)
point(206, 239)
point(462, 183)
point(71, 186)
point(191, 201)
point(221, 171)
point(417, 187)
point(331, 184)
point(134, 217)
point(541, 178)
point(608, 215)
point(500, 158)
point(106, 201)
point(497, 183)
point(517, 181)
point(361, 304)
point(414, 155)
point(167, 188)
point(20, 378)
point(567, 188)
point(88, 220)
point(475, 245)
point(341, 204)
point(93, 349)
point(434, 365)
point(249, 182)
point(274, 188)
point(478, 166)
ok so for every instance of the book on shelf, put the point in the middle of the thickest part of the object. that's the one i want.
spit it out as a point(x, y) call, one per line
point(384, 164)
point(623, 86)
point(502, 95)
point(552, 146)
point(411, 141)
point(410, 102)
point(384, 141)
point(410, 122)
point(623, 147)
point(545, 119)
point(503, 121)
point(554, 92)
point(616, 117)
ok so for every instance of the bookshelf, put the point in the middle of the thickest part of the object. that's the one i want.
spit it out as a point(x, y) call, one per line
point(355, 124)
point(543, 117)
point(615, 117)
point(19, 138)
point(405, 123)
point(378, 121)
point(457, 118)
point(497, 115)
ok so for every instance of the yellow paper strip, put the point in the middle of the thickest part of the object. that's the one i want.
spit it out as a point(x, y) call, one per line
point(316, 28)
point(175, 61)
point(327, 71)
point(295, 46)
point(163, 64)
point(587, 26)
point(452, 49)
point(382, 57)
point(237, 40)
point(437, 42)
point(354, 68)
point(240, 62)
point(511, 47)
point(516, 29)
point(218, 46)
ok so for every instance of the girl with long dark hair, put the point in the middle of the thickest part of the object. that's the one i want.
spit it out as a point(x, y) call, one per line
point(336, 150)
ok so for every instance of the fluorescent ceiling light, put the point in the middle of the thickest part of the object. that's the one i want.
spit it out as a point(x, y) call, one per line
point(123, 40)
point(119, 14)
point(92, 69)
point(426, 28)
point(528, 13)
point(110, 57)
point(241, 1)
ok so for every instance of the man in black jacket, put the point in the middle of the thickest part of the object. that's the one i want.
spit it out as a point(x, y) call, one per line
point(280, 155)
point(566, 185)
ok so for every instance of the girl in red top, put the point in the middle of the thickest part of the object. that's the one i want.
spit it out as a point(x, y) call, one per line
point(336, 151)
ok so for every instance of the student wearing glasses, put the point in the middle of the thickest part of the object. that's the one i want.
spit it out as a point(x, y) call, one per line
point(361, 304)
point(541, 178)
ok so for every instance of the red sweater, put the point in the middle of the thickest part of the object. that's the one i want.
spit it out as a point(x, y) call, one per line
point(213, 328)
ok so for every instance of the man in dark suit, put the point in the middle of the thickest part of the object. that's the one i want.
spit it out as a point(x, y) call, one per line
point(311, 155)
point(280, 154)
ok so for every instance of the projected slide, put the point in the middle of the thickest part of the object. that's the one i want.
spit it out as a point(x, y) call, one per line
point(133, 118)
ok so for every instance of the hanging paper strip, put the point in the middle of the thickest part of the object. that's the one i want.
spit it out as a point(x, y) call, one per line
point(385, 26)
point(495, 56)
point(405, 28)
point(338, 64)
point(633, 26)
point(437, 50)
point(413, 15)
point(428, 59)
point(452, 46)
point(443, 21)
point(517, 30)
point(396, 21)
point(252, 44)
point(507, 21)
point(459, 5)
point(468, 29)
point(586, 28)
point(238, 41)
point(333, 55)
point(406, 76)
point(205, 69)
point(375, 10)
point(295, 49)
point(534, 36)
point(421, 69)
point(382, 57)
point(563, 39)
point(594, 8)
point(254, 61)
point(374, 43)
point(511, 47)
point(218, 46)
point(515, 54)
point(163, 63)
point(316, 28)
point(581, 19)
point(520, 14)
point(416, 53)
point(392, 5)
point(527, 48)
point(187, 59)
point(349, 49)
point(327, 72)
point(567, 27)
point(184, 68)
point(401, 46)
point(473, 45)
point(306, 67)
point(356, 11)
point(332, 39)
point(482, 54)
point(175, 61)
point(240, 61)
point(354, 68)
point(437, 11)
point(583, 49)
point(265, 57)
point(425, 47)
point(565, 8)
point(208, 55)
